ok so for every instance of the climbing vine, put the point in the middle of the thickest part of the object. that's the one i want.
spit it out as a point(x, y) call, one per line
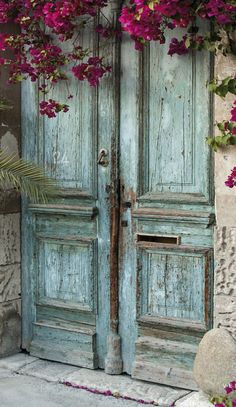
point(37, 52)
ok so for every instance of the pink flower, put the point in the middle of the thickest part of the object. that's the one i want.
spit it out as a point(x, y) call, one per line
point(93, 70)
point(51, 107)
point(231, 182)
point(233, 113)
point(232, 385)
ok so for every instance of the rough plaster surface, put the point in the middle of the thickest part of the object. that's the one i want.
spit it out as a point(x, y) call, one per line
point(9, 282)
point(10, 130)
point(225, 233)
point(10, 239)
point(225, 278)
point(9, 143)
point(10, 325)
point(225, 158)
point(10, 285)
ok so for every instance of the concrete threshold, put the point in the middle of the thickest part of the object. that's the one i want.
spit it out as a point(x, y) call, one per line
point(89, 387)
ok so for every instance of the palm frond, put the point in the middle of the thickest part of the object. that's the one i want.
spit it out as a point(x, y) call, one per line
point(26, 177)
point(5, 104)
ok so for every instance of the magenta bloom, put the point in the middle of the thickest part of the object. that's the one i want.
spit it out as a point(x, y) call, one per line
point(233, 113)
point(231, 182)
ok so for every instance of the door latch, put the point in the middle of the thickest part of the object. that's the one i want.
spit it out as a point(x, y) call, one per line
point(102, 158)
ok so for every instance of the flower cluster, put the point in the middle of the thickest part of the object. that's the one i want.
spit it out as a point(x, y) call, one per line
point(233, 113)
point(51, 107)
point(231, 180)
point(225, 401)
point(37, 52)
point(148, 20)
point(93, 70)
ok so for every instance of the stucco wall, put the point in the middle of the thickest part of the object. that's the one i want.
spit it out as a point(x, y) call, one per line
point(225, 233)
point(9, 229)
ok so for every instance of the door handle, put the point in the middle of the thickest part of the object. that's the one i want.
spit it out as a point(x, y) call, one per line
point(102, 158)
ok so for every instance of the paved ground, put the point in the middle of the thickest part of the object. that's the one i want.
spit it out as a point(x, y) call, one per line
point(30, 382)
point(23, 391)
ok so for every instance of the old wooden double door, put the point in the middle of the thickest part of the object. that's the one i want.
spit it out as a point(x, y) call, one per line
point(126, 248)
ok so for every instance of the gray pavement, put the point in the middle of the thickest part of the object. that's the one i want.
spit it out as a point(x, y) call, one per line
point(25, 391)
point(27, 381)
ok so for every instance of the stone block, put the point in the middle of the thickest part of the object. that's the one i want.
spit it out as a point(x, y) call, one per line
point(215, 362)
point(9, 140)
point(225, 278)
point(50, 371)
point(10, 285)
point(10, 201)
point(9, 239)
point(124, 386)
point(225, 313)
point(10, 327)
point(225, 256)
point(198, 399)
point(16, 362)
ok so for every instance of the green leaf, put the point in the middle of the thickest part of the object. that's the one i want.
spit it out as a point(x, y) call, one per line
point(212, 86)
point(187, 42)
point(151, 5)
point(221, 126)
point(233, 140)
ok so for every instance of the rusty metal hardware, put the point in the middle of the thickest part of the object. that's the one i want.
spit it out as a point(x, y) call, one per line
point(102, 158)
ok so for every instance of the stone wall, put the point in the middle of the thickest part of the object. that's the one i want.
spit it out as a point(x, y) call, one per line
point(9, 228)
point(225, 233)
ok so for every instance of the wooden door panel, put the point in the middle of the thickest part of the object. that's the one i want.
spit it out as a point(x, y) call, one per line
point(64, 344)
point(66, 271)
point(173, 283)
point(68, 144)
point(64, 284)
point(174, 309)
point(174, 122)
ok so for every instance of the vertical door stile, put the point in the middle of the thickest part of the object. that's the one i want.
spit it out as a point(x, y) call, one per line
point(113, 362)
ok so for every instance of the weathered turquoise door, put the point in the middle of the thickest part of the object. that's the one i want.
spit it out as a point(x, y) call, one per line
point(125, 251)
point(66, 244)
point(166, 264)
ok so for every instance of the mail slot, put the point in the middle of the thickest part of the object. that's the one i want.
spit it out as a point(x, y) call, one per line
point(162, 239)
